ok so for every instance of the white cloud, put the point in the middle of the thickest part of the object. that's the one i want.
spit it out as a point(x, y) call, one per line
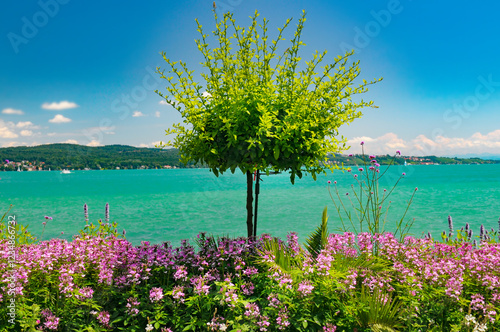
point(149, 145)
point(94, 143)
point(424, 146)
point(157, 114)
point(11, 144)
point(71, 141)
point(26, 133)
point(12, 111)
point(26, 124)
point(59, 119)
point(5, 131)
point(62, 105)
point(137, 114)
point(206, 94)
point(163, 102)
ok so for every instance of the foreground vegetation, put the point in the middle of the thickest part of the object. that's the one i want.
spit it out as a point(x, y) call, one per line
point(366, 279)
point(336, 282)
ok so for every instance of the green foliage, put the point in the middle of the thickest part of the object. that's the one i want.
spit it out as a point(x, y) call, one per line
point(378, 311)
point(318, 239)
point(262, 109)
point(101, 229)
point(73, 156)
point(14, 231)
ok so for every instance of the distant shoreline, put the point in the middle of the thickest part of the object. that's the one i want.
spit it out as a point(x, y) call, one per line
point(60, 156)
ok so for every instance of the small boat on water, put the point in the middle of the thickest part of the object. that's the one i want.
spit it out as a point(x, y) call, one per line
point(65, 171)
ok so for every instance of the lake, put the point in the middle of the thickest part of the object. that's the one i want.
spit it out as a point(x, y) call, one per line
point(174, 204)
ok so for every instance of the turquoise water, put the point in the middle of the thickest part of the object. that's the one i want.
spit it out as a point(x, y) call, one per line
point(170, 205)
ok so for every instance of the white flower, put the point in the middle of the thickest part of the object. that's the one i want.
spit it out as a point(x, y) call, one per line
point(222, 327)
point(149, 327)
point(93, 312)
point(480, 328)
point(470, 319)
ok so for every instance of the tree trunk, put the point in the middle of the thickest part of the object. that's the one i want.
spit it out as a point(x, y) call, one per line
point(249, 204)
point(257, 190)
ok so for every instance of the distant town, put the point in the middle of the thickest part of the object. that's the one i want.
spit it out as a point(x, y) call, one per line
point(77, 157)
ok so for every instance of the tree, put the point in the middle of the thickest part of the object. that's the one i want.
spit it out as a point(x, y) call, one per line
point(259, 109)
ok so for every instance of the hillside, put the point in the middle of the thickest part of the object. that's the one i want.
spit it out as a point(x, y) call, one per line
point(72, 156)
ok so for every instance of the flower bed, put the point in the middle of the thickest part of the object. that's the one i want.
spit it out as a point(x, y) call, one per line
point(103, 283)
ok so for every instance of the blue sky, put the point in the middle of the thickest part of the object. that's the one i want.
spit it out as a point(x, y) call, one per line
point(84, 72)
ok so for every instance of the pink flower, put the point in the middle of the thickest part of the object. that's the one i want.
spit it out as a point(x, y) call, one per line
point(103, 318)
point(398, 152)
point(48, 218)
point(372, 157)
point(350, 154)
point(360, 169)
point(404, 173)
point(329, 181)
point(362, 143)
point(156, 294)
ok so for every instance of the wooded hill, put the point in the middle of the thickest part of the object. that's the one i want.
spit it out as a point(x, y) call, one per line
point(72, 156)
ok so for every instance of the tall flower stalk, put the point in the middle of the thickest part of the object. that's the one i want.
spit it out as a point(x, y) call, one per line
point(370, 203)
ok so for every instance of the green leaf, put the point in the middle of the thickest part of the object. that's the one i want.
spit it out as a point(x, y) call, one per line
point(319, 238)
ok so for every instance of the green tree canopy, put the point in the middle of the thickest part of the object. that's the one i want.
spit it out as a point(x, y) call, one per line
point(260, 108)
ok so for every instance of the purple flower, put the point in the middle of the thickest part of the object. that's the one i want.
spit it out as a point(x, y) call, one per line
point(373, 161)
point(377, 165)
point(305, 288)
point(372, 157)
point(371, 168)
point(350, 154)
point(156, 294)
point(103, 318)
point(362, 143)
point(329, 328)
point(347, 194)
point(398, 152)
point(7, 161)
point(360, 169)
point(48, 218)
point(355, 175)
